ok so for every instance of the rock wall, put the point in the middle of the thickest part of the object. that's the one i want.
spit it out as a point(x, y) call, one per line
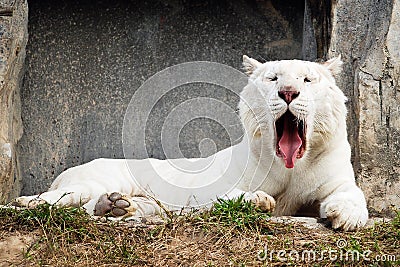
point(366, 35)
point(13, 38)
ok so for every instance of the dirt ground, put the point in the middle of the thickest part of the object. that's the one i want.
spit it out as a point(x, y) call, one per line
point(13, 245)
point(68, 237)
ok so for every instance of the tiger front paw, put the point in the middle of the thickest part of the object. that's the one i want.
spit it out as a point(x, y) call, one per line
point(346, 215)
point(263, 201)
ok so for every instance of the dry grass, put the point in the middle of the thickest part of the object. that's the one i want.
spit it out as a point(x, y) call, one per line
point(233, 233)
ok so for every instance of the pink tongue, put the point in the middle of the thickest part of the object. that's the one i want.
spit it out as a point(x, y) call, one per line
point(290, 142)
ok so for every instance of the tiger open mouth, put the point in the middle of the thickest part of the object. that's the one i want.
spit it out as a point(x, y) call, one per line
point(290, 135)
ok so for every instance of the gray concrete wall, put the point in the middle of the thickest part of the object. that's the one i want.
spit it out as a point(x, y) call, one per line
point(85, 59)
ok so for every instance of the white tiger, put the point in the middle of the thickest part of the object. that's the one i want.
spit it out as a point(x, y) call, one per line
point(294, 158)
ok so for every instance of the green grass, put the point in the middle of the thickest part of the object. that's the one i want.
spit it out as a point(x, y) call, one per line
point(396, 224)
point(237, 212)
point(49, 218)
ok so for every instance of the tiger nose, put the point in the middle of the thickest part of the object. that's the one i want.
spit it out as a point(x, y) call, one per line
point(288, 94)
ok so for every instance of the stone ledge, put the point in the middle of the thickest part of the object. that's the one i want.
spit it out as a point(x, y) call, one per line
point(308, 222)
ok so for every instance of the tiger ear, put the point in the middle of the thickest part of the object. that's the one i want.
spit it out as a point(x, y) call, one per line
point(250, 64)
point(334, 65)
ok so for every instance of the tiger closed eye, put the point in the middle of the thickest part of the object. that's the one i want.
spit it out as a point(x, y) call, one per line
point(273, 79)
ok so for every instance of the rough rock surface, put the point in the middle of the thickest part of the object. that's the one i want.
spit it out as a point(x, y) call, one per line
point(366, 34)
point(13, 38)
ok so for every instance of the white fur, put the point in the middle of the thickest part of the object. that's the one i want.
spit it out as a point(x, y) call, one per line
point(324, 174)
